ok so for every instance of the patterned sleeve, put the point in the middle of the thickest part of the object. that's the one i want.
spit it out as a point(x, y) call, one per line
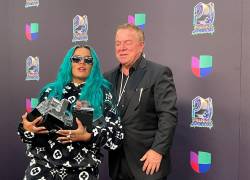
point(110, 133)
point(27, 136)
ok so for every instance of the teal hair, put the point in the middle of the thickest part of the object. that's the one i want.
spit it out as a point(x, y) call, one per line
point(92, 91)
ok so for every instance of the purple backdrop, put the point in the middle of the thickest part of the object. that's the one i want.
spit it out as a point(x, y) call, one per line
point(168, 41)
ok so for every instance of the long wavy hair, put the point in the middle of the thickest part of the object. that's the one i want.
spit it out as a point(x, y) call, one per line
point(92, 90)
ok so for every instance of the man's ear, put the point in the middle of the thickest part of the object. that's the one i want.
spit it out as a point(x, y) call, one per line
point(142, 46)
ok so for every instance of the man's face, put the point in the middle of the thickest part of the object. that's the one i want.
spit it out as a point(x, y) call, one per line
point(128, 47)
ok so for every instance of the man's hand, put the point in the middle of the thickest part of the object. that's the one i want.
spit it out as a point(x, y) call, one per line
point(152, 162)
point(34, 125)
point(69, 136)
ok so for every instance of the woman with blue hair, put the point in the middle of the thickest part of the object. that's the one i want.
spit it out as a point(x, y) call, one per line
point(73, 154)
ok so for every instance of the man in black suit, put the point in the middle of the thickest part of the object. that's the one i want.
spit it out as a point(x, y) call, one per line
point(146, 99)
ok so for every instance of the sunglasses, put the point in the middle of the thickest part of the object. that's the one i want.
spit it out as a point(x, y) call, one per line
point(86, 59)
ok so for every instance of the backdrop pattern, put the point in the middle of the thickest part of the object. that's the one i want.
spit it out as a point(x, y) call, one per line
point(169, 41)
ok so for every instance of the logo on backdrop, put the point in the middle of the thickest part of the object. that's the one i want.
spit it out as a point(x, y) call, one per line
point(202, 112)
point(31, 31)
point(31, 103)
point(31, 3)
point(203, 18)
point(32, 68)
point(200, 162)
point(80, 28)
point(202, 66)
point(139, 19)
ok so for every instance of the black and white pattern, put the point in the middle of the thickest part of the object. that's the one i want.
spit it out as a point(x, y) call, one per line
point(29, 135)
point(78, 160)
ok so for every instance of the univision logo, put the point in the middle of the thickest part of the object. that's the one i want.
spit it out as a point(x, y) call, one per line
point(139, 20)
point(31, 103)
point(202, 66)
point(31, 31)
point(200, 162)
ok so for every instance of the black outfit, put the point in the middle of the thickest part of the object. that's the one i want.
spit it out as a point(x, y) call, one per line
point(149, 116)
point(78, 160)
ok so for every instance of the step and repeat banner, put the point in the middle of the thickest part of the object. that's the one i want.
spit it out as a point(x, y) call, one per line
point(205, 43)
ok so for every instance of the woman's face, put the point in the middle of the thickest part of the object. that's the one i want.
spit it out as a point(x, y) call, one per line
point(81, 64)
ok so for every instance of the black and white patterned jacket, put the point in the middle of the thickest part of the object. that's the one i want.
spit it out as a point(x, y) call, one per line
point(107, 133)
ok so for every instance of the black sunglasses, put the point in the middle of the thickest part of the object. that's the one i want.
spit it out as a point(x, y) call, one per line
point(86, 59)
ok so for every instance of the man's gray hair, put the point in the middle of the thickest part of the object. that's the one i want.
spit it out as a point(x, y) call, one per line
point(139, 32)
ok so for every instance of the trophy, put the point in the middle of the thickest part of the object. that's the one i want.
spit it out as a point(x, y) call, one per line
point(55, 114)
point(85, 114)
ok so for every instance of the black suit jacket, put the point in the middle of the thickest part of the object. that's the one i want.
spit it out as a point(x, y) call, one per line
point(149, 123)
